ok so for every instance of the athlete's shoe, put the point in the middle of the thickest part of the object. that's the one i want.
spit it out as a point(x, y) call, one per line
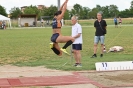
point(101, 55)
point(51, 45)
point(64, 50)
point(94, 56)
point(78, 65)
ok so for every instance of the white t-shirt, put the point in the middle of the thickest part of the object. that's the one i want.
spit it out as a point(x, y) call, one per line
point(76, 29)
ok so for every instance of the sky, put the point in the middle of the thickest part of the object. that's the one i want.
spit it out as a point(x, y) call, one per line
point(121, 4)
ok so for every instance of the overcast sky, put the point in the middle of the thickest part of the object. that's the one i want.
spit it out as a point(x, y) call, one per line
point(8, 4)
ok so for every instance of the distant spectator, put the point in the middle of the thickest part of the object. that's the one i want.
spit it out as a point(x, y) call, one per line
point(120, 21)
point(116, 23)
point(3, 25)
point(100, 26)
point(42, 22)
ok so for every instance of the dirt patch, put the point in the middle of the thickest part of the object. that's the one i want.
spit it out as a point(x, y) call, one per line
point(117, 78)
point(9, 71)
point(123, 78)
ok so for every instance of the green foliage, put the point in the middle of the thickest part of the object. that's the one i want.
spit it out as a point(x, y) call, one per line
point(107, 11)
point(66, 16)
point(31, 10)
point(113, 10)
point(50, 11)
point(15, 12)
point(126, 13)
point(81, 12)
point(3, 11)
point(131, 7)
point(85, 13)
point(77, 9)
point(93, 13)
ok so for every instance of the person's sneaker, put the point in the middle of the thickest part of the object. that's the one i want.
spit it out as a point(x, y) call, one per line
point(64, 50)
point(75, 64)
point(94, 56)
point(79, 65)
point(101, 55)
point(51, 45)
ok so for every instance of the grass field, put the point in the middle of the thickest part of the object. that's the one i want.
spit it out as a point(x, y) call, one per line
point(30, 47)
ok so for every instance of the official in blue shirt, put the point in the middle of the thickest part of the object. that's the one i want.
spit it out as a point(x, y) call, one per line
point(116, 22)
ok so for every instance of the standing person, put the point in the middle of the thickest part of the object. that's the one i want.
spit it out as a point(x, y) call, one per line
point(77, 44)
point(100, 26)
point(57, 37)
point(120, 21)
point(42, 21)
point(4, 25)
point(116, 22)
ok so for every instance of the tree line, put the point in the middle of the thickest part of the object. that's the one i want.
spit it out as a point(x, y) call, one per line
point(110, 11)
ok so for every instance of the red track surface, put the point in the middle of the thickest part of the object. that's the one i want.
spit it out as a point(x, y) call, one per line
point(46, 81)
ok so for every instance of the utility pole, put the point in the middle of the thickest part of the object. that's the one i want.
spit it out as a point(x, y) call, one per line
point(58, 2)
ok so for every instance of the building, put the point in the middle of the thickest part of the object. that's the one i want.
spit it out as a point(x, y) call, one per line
point(40, 7)
point(23, 8)
point(26, 20)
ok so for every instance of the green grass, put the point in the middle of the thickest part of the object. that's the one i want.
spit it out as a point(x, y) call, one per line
point(30, 47)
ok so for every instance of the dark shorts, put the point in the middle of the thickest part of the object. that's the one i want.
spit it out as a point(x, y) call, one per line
point(116, 23)
point(77, 46)
point(54, 37)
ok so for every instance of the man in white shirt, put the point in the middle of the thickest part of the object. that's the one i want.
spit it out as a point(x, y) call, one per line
point(77, 44)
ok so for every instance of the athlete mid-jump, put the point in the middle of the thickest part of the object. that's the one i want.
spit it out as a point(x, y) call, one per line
point(57, 37)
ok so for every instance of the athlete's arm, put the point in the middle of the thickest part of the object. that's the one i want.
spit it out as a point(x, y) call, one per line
point(63, 10)
point(62, 6)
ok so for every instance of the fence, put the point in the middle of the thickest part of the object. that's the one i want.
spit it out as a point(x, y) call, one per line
point(82, 22)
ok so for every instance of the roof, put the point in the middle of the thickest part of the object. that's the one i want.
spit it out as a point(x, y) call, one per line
point(4, 18)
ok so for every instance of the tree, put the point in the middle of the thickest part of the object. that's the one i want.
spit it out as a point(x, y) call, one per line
point(85, 13)
point(81, 12)
point(77, 10)
point(3, 11)
point(66, 16)
point(15, 12)
point(131, 7)
point(72, 12)
point(93, 13)
point(113, 10)
point(99, 8)
point(31, 10)
point(50, 11)
point(105, 11)
point(125, 13)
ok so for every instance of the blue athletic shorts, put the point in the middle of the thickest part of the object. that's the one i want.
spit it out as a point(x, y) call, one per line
point(99, 38)
point(77, 46)
point(54, 37)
